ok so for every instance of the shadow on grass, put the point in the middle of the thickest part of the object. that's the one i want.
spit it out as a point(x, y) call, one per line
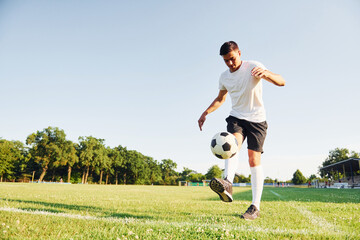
point(28, 209)
point(300, 195)
point(55, 205)
point(58, 208)
point(127, 215)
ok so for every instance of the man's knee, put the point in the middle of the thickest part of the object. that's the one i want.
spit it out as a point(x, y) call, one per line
point(239, 138)
point(254, 158)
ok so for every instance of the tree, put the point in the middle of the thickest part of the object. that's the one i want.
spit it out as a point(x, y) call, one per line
point(155, 170)
point(354, 154)
point(312, 177)
point(185, 174)
point(336, 155)
point(168, 171)
point(70, 157)
point(21, 161)
point(6, 162)
point(91, 154)
point(47, 148)
point(242, 179)
point(213, 172)
point(298, 177)
point(269, 180)
point(135, 167)
point(196, 177)
point(11, 154)
point(117, 159)
point(101, 162)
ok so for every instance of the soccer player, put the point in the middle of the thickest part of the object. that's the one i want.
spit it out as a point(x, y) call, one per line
point(247, 120)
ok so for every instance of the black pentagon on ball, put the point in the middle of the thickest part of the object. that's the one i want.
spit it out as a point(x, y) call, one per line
point(213, 143)
point(224, 134)
point(226, 146)
point(219, 156)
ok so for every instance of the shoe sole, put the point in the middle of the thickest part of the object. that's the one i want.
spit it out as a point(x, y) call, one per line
point(217, 187)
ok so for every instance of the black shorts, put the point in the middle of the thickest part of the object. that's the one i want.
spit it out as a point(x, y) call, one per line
point(254, 132)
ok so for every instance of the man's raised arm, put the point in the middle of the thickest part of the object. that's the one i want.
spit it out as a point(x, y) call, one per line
point(274, 78)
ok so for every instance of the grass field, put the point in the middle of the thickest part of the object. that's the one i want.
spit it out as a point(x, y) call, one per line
point(55, 211)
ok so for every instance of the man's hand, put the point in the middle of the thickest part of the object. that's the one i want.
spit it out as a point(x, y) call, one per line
point(219, 100)
point(202, 120)
point(274, 78)
point(259, 72)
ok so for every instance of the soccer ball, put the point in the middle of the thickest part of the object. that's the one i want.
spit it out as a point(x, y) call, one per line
point(224, 145)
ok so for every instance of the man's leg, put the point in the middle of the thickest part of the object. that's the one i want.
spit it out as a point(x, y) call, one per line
point(231, 164)
point(257, 177)
point(223, 187)
point(257, 185)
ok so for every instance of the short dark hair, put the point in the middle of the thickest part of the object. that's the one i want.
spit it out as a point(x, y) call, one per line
point(228, 47)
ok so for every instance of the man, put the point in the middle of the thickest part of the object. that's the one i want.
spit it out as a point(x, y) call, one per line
point(247, 120)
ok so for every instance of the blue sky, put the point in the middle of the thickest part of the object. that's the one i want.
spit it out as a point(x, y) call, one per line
point(140, 73)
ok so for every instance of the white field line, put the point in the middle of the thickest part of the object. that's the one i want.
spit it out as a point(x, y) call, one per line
point(276, 194)
point(200, 226)
point(65, 215)
point(314, 219)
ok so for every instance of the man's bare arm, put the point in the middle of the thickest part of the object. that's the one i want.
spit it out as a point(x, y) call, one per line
point(274, 78)
point(219, 100)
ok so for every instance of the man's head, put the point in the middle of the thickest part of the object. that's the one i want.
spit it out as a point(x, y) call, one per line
point(231, 55)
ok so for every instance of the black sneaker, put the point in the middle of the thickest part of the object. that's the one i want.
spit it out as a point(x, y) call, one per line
point(251, 213)
point(223, 188)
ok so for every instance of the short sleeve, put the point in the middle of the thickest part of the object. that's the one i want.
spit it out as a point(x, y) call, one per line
point(259, 64)
point(221, 85)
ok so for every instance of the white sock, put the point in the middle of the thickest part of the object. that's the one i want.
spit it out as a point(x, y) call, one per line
point(257, 184)
point(231, 166)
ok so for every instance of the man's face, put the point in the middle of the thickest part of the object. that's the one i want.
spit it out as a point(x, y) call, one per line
point(232, 60)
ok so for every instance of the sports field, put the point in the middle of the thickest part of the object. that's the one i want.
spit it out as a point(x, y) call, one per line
point(56, 211)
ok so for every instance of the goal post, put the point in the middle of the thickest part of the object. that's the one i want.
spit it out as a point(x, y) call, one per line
point(203, 183)
point(183, 183)
point(206, 182)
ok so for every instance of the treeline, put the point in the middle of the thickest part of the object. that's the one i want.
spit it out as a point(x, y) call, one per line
point(48, 156)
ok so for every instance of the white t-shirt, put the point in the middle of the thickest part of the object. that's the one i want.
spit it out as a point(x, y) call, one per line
point(245, 92)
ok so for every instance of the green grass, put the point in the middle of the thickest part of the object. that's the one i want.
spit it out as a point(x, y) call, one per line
point(54, 211)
